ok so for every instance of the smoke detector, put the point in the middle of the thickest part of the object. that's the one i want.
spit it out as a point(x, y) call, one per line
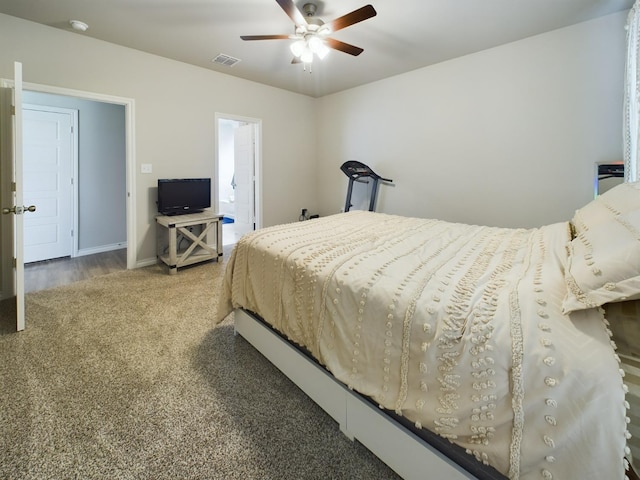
point(78, 25)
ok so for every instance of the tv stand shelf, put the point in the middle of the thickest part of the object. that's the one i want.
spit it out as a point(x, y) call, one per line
point(194, 229)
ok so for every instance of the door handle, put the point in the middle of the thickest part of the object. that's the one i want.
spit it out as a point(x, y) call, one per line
point(19, 210)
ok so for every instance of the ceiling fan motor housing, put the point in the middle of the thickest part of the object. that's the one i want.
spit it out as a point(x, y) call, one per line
point(309, 9)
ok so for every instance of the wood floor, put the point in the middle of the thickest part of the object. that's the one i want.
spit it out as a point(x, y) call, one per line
point(62, 271)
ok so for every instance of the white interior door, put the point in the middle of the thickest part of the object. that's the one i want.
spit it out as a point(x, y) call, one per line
point(48, 175)
point(13, 170)
point(244, 166)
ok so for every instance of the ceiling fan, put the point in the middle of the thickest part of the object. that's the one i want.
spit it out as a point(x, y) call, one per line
point(311, 35)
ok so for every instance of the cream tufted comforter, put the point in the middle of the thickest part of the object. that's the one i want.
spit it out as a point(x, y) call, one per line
point(456, 327)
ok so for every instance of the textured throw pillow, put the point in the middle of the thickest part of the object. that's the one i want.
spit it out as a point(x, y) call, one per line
point(604, 261)
point(621, 199)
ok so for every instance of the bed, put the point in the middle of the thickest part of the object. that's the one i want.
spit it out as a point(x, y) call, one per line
point(481, 352)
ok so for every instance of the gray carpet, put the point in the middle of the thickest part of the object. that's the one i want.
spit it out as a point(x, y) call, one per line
point(125, 376)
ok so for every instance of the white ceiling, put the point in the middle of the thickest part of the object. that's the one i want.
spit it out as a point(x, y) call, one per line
point(404, 36)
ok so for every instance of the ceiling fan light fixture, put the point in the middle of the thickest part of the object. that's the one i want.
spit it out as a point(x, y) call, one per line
point(323, 52)
point(317, 46)
point(298, 47)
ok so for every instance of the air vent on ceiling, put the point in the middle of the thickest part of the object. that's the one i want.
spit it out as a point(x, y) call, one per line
point(225, 60)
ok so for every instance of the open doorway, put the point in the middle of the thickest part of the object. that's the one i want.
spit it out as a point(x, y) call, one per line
point(94, 255)
point(238, 175)
point(96, 177)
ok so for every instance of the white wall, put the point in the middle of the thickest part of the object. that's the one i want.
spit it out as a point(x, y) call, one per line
point(507, 137)
point(175, 106)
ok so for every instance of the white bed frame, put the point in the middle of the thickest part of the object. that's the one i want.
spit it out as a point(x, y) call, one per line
point(406, 453)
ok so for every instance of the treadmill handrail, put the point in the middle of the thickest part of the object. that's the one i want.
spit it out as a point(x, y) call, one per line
point(354, 169)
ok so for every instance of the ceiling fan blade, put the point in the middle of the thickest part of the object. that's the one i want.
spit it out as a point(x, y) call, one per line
point(363, 13)
point(264, 37)
point(295, 60)
point(294, 14)
point(344, 47)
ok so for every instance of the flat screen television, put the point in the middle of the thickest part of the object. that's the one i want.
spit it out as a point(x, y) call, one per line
point(178, 196)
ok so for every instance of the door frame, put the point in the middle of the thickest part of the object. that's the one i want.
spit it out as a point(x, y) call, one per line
point(74, 164)
point(257, 171)
point(130, 160)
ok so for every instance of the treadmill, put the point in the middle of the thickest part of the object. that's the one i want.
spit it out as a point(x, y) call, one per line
point(359, 172)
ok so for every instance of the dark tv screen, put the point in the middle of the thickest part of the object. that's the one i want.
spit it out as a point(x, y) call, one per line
point(183, 195)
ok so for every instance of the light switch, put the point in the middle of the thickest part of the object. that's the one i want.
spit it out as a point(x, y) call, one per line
point(146, 168)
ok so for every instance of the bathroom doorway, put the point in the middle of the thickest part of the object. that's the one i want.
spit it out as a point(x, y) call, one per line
point(238, 175)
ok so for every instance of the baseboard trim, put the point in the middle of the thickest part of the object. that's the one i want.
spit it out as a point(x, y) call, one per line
point(101, 249)
point(146, 263)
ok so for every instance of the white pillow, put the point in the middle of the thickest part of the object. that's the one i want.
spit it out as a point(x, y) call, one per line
point(604, 260)
point(620, 199)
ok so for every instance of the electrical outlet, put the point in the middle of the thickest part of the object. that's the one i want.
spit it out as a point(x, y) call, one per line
point(146, 168)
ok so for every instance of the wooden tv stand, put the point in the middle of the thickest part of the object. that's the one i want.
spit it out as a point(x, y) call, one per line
point(192, 228)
